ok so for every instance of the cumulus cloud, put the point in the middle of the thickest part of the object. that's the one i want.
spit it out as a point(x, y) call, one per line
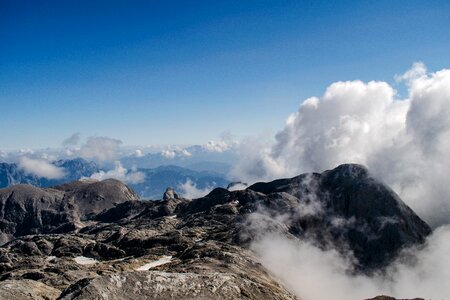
point(138, 153)
point(40, 168)
point(100, 148)
point(72, 140)
point(189, 190)
point(185, 153)
point(120, 173)
point(171, 154)
point(404, 142)
point(213, 146)
point(226, 142)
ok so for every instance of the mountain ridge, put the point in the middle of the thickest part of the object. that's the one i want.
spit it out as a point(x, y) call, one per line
point(206, 241)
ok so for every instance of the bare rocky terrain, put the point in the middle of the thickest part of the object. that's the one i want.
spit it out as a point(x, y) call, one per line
point(97, 240)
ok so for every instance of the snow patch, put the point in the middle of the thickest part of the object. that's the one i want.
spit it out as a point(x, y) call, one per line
point(162, 261)
point(83, 260)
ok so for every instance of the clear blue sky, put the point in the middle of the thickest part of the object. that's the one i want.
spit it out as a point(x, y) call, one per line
point(156, 72)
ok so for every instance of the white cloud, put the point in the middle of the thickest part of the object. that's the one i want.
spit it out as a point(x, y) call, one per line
point(40, 168)
point(185, 153)
point(100, 148)
point(238, 186)
point(417, 70)
point(213, 146)
point(169, 154)
point(3, 154)
point(189, 190)
point(138, 153)
point(404, 142)
point(226, 142)
point(72, 140)
point(120, 173)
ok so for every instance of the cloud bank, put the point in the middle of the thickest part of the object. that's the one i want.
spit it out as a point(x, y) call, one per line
point(40, 168)
point(120, 173)
point(171, 154)
point(404, 142)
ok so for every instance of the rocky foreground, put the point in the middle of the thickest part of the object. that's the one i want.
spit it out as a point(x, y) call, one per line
point(97, 240)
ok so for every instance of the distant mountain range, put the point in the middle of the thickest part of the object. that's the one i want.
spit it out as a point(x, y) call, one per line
point(158, 179)
point(196, 158)
point(11, 173)
point(155, 182)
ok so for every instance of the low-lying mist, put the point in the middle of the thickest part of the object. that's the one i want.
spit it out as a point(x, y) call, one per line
point(312, 273)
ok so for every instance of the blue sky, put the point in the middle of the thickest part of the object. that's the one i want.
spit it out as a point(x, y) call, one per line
point(183, 72)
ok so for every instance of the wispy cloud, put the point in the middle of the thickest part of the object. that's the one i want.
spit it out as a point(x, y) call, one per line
point(40, 168)
point(72, 140)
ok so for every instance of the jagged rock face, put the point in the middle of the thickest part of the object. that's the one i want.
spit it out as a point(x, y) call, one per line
point(92, 197)
point(356, 211)
point(170, 194)
point(11, 174)
point(170, 285)
point(77, 168)
point(199, 248)
point(25, 209)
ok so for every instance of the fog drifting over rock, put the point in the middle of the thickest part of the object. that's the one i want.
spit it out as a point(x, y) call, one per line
point(312, 273)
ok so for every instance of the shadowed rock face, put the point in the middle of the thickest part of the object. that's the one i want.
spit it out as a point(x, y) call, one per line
point(93, 197)
point(25, 209)
point(356, 211)
point(198, 248)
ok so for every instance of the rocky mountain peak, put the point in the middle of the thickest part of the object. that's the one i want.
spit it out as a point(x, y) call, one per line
point(170, 194)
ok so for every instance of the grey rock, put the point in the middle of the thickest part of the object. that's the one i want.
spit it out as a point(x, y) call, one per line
point(206, 238)
point(170, 194)
point(27, 290)
point(25, 209)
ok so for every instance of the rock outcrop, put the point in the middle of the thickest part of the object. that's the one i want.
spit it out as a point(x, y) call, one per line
point(25, 209)
point(350, 209)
